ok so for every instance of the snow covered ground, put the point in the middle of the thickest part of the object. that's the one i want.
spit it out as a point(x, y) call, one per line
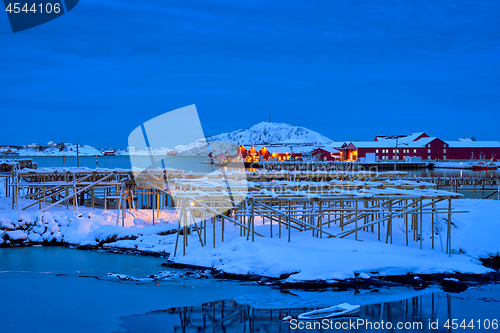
point(475, 235)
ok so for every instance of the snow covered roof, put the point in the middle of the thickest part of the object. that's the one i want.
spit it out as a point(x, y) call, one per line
point(257, 147)
point(302, 149)
point(473, 144)
point(279, 149)
point(392, 143)
point(405, 139)
point(417, 144)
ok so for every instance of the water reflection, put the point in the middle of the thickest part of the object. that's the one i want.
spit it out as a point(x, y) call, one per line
point(423, 313)
point(438, 172)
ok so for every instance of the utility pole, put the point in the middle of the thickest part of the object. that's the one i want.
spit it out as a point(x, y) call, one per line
point(396, 156)
point(77, 156)
point(396, 150)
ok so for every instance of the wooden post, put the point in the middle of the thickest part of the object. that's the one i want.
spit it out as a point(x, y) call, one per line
point(432, 216)
point(449, 227)
point(222, 221)
point(270, 225)
point(289, 219)
point(184, 228)
point(356, 222)
point(320, 219)
point(342, 216)
point(213, 220)
point(390, 218)
point(124, 208)
point(153, 207)
point(158, 205)
point(406, 227)
point(205, 228)
point(67, 190)
point(93, 191)
point(421, 217)
point(279, 222)
point(252, 217)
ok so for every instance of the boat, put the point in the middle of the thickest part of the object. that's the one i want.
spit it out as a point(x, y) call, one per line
point(340, 310)
point(108, 153)
point(481, 165)
point(172, 153)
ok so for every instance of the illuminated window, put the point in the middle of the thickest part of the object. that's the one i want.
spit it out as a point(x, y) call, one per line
point(376, 151)
point(444, 151)
point(429, 151)
point(414, 150)
point(429, 157)
point(444, 157)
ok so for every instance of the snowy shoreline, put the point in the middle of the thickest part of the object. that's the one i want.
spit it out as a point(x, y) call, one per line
point(304, 262)
point(450, 282)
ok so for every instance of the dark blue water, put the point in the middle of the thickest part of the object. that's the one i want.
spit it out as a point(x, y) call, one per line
point(476, 310)
point(66, 290)
point(187, 163)
point(196, 164)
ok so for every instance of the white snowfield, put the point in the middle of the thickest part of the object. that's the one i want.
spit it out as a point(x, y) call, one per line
point(269, 132)
point(475, 235)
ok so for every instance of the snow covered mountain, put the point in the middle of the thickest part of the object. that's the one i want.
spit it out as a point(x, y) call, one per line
point(271, 133)
point(262, 133)
point(195, 148)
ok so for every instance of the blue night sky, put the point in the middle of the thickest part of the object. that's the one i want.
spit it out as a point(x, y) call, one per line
point(346, 69)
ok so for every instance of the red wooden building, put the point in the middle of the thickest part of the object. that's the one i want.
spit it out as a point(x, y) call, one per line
point(327, 154)
point(419, 145)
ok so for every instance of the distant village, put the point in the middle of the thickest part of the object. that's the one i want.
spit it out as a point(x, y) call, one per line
point(50, 149)
point(13, 150)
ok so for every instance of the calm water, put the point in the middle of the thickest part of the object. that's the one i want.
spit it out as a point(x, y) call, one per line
point(196, 164)
point(188, 163)
point(454, 173)
point(66, 290)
